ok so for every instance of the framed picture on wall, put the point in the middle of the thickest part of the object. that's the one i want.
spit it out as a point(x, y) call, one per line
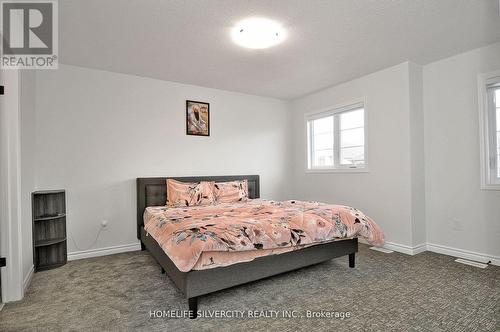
point(197, 118)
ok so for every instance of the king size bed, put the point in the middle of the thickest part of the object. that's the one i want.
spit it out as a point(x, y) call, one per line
point(204, 249)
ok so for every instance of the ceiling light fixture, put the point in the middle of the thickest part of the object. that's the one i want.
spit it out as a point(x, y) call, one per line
point(258, 33)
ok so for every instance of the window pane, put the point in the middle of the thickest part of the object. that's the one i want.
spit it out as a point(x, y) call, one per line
point(352, 137)
point(497, 102)
point(323, 125)
point(352, 156)
point(498, 119)
point(352, 119)
point(322, 140)
point(498, 148)
point(323, 158)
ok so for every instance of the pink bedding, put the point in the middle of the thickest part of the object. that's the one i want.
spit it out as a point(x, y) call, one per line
point(211, 259)
point(255, 228)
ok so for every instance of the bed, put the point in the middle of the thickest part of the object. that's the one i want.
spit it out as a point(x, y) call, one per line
point(195, 283)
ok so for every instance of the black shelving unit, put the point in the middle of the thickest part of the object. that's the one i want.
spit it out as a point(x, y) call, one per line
point(49, 229)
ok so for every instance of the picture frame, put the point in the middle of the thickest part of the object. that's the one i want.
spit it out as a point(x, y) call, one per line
point(197, 118)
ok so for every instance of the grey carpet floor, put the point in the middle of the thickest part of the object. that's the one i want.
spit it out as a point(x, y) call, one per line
point(385, 292)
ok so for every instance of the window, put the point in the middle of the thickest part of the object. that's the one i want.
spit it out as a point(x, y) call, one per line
point(496, 101)
point(489, 86)
point(336, 139)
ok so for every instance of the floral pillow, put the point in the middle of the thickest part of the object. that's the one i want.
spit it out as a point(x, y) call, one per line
point(230, 192)
point(189, 194)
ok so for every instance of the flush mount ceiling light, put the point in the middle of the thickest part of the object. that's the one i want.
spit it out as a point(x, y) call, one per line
point(258, 33)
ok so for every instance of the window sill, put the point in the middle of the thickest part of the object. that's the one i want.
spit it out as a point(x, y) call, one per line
point(338, 170)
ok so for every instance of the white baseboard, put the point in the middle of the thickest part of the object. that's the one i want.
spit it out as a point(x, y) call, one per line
point(419, 248)
point(406, 249)
point(27, 279)
point(466, 254)
point(103, 251)
point(440, 249)
point(402, 248)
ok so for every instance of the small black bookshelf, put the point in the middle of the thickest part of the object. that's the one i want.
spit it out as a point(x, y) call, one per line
point(49, 229)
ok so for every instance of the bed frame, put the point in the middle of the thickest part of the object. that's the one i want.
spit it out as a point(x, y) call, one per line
point(153, 192)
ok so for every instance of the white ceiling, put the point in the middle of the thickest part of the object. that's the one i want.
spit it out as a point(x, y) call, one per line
point(329, 42)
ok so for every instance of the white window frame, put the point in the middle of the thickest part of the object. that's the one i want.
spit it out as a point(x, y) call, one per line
point(329, 111)
point(487, 134)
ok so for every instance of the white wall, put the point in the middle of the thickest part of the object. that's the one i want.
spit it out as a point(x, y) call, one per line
point(97, 131)
point(459, 214)
point(385, 192)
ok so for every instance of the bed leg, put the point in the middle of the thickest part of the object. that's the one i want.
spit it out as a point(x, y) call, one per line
point(352, 260)
point(193, 307)
point(143, 247)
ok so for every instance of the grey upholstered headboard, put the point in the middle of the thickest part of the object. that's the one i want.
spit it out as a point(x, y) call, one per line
point(153, 191)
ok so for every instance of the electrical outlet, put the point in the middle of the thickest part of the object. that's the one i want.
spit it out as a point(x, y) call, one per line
point(104, 223)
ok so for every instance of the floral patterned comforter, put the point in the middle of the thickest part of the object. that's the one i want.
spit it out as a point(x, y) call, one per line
point(185, 233)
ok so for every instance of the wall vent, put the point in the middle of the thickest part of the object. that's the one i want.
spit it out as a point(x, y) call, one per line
point(471, 263)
